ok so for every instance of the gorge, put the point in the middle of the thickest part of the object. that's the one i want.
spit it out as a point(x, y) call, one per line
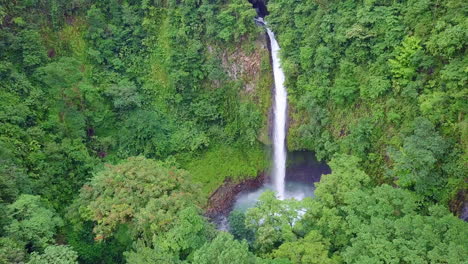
point(292, 177)
point(140, 131)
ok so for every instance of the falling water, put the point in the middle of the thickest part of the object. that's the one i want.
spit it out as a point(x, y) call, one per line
point(280, 114)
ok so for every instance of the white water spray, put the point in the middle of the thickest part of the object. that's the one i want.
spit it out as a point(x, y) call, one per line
point(280, 115)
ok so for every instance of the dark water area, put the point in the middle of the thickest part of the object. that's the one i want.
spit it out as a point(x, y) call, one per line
point(464, 212)
point(303, 166)
point(260, 7)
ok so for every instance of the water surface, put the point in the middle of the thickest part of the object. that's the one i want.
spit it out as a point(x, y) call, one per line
point(301, 175)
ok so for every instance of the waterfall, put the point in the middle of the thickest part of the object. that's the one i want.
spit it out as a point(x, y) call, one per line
point(280, 115)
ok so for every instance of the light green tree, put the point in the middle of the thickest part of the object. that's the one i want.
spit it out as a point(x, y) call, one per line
point(312, 249)
point(386, 227)
point(32, 221)
point(224, 249)
point(346, 176)
point(272, 221)
point(55, 255)
point(142, 193)
point(189, 232)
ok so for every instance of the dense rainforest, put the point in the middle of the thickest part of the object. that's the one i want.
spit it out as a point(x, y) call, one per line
point(119, 119)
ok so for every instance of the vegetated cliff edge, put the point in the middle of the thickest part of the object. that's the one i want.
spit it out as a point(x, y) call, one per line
point(384, 82)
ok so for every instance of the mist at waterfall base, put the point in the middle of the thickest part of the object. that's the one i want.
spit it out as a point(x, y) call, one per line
point(301, 175)
point(298, 181)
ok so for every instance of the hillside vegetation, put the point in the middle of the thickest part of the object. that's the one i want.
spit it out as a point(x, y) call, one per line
point(119, 118)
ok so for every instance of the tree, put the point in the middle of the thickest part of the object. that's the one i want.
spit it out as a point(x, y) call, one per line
point(324, 213)
point(125, 95)
point(55, 255)
point(403, 67)
point(142, 193)
point(189, 232)
point(13, 178)
point(224, 249)
point(235, 20)
point(346, 176)
point(237, 226)
point(245, 124)
point(415, 164)
point(11, 251)
point(272, 221)
point(346, 85)
point(386, 226)
point(143, 254)
point(312, 249)
point(154, 134)
point(30, 47)
point(32, 222)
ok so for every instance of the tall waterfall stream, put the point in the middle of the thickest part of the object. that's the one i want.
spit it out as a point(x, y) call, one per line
point(293, 181)
point(296, 181)
point(280, 117)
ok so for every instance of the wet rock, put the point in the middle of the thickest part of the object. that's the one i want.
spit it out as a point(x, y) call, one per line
point(222, 200)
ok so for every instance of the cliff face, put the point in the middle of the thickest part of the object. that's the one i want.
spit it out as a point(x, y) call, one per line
point(249, 64)
point(248, 76)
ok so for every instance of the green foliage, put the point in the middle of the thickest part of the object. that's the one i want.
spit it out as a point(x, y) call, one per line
point(383, 224)
point(237, 226)
point(124, 95)
point(143, 255)
point(32, 54)
point(312, 249)
point(272, 221)
point(358, 74)
point(32, 222)
point(223, 162)
point(189, 232)
point(345, 177)
point(235, 20)
point(246, 124)
point(114, 33)
point(224, 249)
point(55, 255)
point(403, 67)
point(81, 238)
point(61, 169)
point(11, 251)
point(415, 165)
point(147, 133)
point(87, 82)
point(13, 179)
point(346, 84)
point(388, 228)
point(137, 192)
point(310, 133)
point(364, 224)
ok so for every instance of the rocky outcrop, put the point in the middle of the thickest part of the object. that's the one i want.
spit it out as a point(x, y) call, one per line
point(244, 63)
point(222, 200)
